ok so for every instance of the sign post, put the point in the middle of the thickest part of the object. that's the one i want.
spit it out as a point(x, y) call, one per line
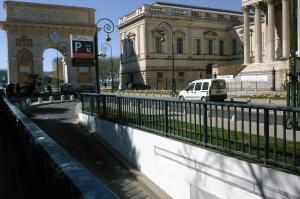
point(82, 51)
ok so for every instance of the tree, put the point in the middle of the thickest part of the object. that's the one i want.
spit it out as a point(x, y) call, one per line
point(105, 68)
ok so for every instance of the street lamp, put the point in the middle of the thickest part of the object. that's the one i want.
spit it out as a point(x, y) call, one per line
point(104, 50)
point(57, 72)
point(293, 47)
point(108, 28)
point(162, 29)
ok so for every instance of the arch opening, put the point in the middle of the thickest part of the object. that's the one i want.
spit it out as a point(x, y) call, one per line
point(53, 69)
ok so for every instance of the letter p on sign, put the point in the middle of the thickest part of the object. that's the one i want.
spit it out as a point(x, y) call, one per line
point(77, 46)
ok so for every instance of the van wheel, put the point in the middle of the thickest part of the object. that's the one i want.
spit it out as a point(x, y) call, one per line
point(181, 97)
point(203, 99)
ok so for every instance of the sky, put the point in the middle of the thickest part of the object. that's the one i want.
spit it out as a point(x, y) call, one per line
point(112, 9)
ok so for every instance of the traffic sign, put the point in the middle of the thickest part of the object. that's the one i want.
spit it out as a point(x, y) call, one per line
point(82, 51)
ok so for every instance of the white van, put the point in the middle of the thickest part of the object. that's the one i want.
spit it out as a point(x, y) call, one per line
point(205, 89)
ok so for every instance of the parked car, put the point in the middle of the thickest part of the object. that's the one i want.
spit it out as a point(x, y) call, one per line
point(86, 88)
point(205, 89)
point(138, 86)
point(67, 89)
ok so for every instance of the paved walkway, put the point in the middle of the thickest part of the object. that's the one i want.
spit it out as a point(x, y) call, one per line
point(60, 123)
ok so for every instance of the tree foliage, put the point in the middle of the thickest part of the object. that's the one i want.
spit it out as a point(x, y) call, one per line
point(105, 68)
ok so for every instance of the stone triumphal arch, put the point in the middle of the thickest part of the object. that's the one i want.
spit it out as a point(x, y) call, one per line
point(32, 28)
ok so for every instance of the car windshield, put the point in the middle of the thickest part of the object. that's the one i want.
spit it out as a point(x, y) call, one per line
point(220, 84)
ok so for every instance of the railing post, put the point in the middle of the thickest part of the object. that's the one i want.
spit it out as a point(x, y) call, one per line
point(166, 118)
point(139, 112)
point(104, 105)
point(205, 123)
point(120, 107)
point(82, 103)
point(92, 104)
point(98, 104)
point(266, 134)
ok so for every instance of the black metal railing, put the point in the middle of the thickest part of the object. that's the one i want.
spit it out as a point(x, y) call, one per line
point(50, 170)
point(269, 134)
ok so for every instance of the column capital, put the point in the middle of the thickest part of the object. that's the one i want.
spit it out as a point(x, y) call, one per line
point(246, 9)
point(270, 2)
point(257, 5)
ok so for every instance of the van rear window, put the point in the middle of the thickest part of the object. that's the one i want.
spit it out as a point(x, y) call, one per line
point(218, 85)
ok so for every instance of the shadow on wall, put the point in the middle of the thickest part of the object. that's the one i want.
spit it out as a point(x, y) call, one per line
point(131, 72)
point(120, 137)
point(259, 181)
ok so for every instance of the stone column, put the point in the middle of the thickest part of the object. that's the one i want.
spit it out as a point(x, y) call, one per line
point(285, 29)
point(298, 27)
point(246, 36)
point(271, 31)
point(258, 34)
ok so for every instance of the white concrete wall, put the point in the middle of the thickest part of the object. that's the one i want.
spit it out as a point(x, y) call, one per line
point(189, 172)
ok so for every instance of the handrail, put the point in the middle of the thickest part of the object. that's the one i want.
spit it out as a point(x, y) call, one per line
point(50, 162)
point(232, 104)
point(265, 133)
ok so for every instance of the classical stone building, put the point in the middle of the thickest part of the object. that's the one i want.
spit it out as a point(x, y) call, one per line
point(32, 28)
point(204, 40)
point(267, 40)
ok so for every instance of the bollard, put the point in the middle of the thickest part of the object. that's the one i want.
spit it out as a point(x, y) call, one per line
point(51, 99)
point(72, 97)
point(40, 100)
point(62, 98)
point(28, 101)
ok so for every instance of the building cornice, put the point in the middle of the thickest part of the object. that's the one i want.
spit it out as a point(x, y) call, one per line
point(131, 21)
point(223, 11)
point(6, 25)
point(19, 3)
point(182, 13)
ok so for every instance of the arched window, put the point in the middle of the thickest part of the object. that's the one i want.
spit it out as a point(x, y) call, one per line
point(179, 39)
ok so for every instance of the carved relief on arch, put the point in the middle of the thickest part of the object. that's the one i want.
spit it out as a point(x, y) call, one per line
point(24, 65)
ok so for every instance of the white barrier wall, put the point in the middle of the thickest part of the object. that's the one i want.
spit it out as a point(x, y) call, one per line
point(189, 172)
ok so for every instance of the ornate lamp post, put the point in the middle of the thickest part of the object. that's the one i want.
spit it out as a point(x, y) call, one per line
point(104, 50)
point(108, 28)
point(293, 46)
point(162, 29)
point(57, 72)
